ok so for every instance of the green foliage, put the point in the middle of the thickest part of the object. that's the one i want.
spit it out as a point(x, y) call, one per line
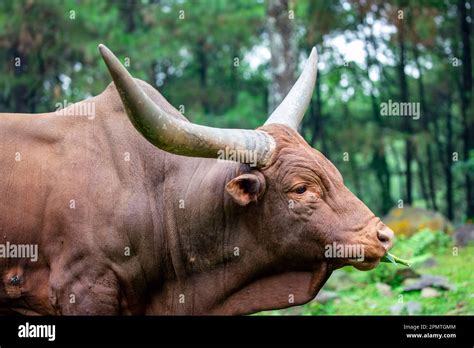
point(417, 248)
point(424, 242)
point(248, 113)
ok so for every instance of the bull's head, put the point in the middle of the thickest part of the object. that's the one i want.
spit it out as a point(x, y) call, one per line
point(300, 194)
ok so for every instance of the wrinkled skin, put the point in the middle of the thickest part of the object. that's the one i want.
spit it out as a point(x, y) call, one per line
point(205, 237)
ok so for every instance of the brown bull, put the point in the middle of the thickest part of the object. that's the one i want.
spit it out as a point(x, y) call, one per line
point(123, 225)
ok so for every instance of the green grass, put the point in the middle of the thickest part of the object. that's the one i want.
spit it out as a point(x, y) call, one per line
point(360, 296)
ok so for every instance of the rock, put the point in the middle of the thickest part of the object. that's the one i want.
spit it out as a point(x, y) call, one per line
point(413, 307)
point(324, 296)
point(427, 280)
point(464, 235)
point(429, 293)
point(408, 282)
point(384, 289)
point(408, 220)
point(429, 263)
point(397, 309)
point(403, 273)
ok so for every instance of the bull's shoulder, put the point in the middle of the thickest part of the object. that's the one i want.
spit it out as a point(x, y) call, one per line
point(26, 129)
point(47, 128)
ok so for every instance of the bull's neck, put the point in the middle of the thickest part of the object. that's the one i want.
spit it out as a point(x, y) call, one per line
point(206, 246)
point(213, 244)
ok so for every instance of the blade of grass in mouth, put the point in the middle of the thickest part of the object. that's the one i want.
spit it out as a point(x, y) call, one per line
point(394, 259)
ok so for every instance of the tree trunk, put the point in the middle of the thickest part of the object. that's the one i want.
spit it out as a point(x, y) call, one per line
point(282, 48)
point(379, 161)
point(466, 94)
point(448, 163)
point(431, 178)
point(127, 12)
point(425, 123)
point(422, 180)
point(201, 58)
point(318, 121)
point(352, 162)
point(398, 167)
point(406, 120)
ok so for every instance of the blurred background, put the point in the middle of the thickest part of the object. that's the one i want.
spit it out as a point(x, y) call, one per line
point(229, 64)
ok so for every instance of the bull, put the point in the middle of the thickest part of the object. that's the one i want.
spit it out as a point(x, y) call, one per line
point(177, 218)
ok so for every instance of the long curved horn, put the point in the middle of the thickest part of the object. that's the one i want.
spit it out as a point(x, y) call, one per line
point(178, 136)
point(291, 110)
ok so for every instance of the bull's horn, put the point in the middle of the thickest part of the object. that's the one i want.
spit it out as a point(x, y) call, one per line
point(181, 137)
point(292, 109)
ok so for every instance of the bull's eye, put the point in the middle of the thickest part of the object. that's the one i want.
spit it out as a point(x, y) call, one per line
point(300, 189)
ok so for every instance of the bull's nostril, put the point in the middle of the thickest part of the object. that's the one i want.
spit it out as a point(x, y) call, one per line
point(382, 236)
point(385, 236)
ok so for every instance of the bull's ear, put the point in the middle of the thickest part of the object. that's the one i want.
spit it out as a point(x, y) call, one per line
point(246, 188)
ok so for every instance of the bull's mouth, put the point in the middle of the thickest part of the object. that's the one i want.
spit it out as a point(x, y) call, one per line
point(366, 262)
point(370, 260)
